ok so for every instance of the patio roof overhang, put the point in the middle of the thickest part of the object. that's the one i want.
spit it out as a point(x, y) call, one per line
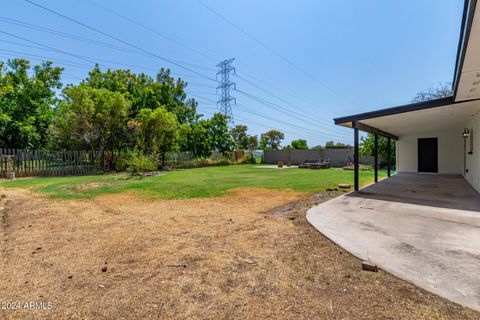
point(425, 116)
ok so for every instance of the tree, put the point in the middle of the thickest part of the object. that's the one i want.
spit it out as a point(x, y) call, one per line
point(218, 130)
point(299, 144)
point(252, 142)
point(147, 93)
point(197, 140)
point(90, 118)
point(367, 147)
point(271, 139)
point(26, 103)
point(442, 90)
point(158, 131)
point(240, 136)
point(339, 145)
point(207, 135)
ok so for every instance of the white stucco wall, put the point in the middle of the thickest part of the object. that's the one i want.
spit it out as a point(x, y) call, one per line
point(473, 160)
point(450, 151)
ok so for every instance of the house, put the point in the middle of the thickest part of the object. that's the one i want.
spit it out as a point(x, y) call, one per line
point(436, 136)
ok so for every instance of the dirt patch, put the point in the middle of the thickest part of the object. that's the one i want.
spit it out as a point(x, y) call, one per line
point(249, 254)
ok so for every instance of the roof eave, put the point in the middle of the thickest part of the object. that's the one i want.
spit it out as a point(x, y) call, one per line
point(467, 21)
point(395, 110)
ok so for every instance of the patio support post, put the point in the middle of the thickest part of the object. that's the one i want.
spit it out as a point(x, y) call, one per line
point(355, 157)
point(389, 165)
point(375, 155)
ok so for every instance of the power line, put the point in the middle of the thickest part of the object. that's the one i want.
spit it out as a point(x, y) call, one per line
point(310, 115)
point(207, 93)
point(91, 58)
point(36, 27)
point(200, 97)
point(79, 65)
point(203, 85)
point(118, 39)
point(48, 47)
point(293, 132)
point(39, 57)
point(279, 108)
point(247, 110)
point(89, 40)
point(268, 48)
point(145, 27)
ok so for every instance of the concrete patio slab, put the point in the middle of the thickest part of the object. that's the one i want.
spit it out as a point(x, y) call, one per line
point(420, 227)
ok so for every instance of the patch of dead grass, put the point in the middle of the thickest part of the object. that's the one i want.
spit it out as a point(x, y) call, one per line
point(248, 254)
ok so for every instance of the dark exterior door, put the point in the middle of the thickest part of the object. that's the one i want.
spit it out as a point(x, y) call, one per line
point(428, 155)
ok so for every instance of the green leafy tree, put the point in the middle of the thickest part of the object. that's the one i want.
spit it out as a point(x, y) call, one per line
point(147, 93)
point(338, 145)
point(26, 103)
point(367, 147)
point(158, 132)
point(90, 118)
point(299, 144)
point(252, 142)
point(329, 144)
point(207, 135)
point(271, 139)
point(240, 136)
point(218, 130)
point(197, 139)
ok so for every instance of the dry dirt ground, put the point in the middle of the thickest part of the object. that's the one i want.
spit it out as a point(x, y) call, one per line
point(250, 254)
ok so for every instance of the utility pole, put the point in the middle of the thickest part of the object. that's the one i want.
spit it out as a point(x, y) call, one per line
point(224, 84)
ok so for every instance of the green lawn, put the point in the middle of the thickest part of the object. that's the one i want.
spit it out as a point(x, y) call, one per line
point(192, 183)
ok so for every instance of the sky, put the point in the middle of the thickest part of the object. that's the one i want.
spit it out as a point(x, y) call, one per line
point(299, 64)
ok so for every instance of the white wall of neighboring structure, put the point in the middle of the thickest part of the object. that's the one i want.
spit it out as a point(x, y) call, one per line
point(473, 160)
point(450, 151)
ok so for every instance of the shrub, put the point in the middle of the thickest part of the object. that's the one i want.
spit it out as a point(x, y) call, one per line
point(138, 163)
point(248, 159)
point(224, 162)
point(121, 164)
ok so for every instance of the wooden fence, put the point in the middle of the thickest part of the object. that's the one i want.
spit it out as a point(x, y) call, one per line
point(52, 163)
point(30, 163)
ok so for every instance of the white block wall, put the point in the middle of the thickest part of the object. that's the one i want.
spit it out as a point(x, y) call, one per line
point(450, 151)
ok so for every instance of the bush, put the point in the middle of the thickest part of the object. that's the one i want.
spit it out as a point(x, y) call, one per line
point(248, 159)
point(224, 162)
point(138, 163)
point(121, 164)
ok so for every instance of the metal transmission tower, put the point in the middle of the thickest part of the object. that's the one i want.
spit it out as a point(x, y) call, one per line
point(226, 100)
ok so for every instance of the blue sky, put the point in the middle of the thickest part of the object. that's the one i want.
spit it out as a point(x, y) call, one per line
point(345, 57)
